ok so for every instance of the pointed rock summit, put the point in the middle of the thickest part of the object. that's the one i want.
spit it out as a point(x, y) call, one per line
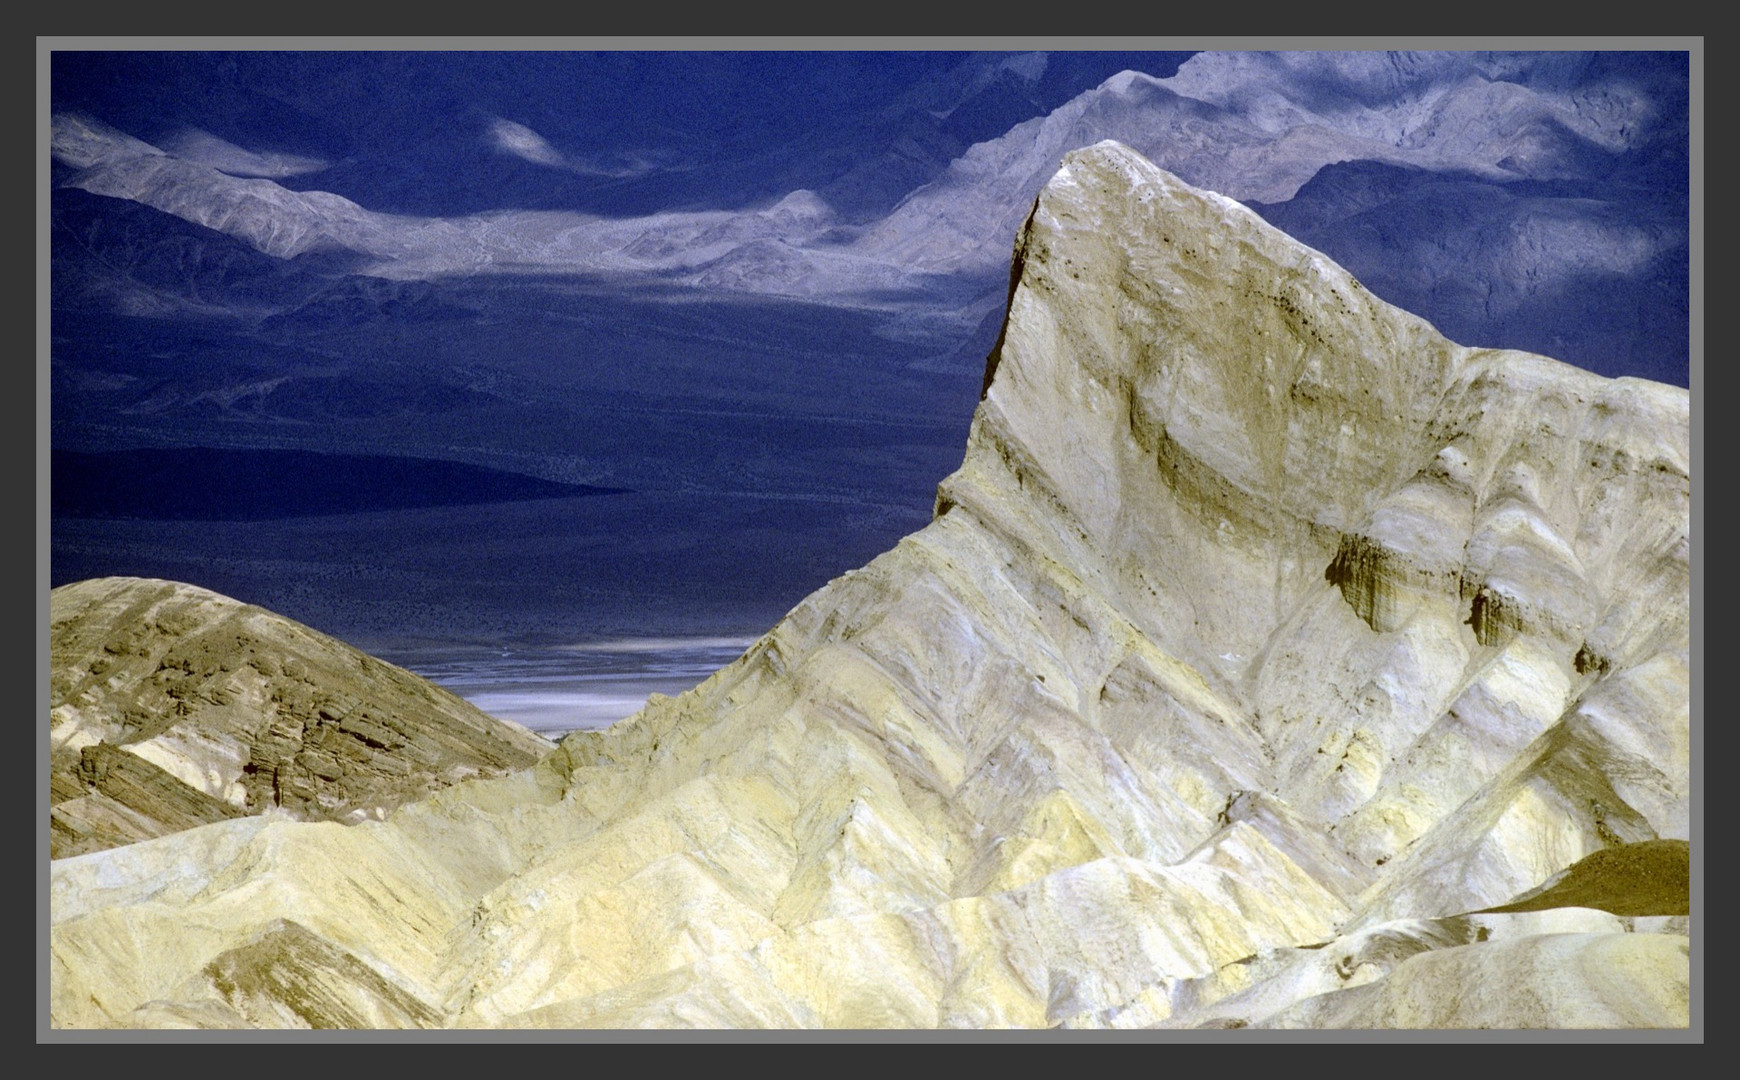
point(1264, 642)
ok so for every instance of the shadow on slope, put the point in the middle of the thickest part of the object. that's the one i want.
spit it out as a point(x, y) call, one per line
point(1589, 271)
point(1650, 877)
point(208, 484)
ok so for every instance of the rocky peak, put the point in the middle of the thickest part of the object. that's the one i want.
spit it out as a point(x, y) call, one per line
point(1264, 641)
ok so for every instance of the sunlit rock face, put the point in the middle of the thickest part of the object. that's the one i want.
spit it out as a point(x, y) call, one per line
point(172, 706)
point(1263, 638)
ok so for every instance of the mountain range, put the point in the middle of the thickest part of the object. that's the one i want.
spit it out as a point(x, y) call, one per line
point(763, 329)
point(1269, 660)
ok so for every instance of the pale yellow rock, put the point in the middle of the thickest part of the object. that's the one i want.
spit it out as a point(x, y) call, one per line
point(1611, 980)
point(1262, 633)
point(1256, 988)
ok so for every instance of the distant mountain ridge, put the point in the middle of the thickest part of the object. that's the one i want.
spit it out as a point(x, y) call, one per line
point(1256, 126)
point(616, 133)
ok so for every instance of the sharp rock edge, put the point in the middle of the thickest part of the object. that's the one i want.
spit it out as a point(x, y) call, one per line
point(1263, 641)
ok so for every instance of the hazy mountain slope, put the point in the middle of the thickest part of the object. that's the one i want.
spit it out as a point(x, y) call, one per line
point(1594, 269)
point(618, 133)
point(172, 706)
point(1509, 260)
point(1257, 617)
point(1254, 125)
point(1258, 126)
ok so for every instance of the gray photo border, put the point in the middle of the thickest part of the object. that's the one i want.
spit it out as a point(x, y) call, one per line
point(45, 45)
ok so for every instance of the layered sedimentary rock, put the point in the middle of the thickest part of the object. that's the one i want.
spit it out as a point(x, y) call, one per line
point(172, 706)
point(1263, 643)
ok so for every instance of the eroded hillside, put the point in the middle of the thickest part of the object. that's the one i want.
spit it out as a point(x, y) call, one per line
point(172, 706)
point(1262, 644)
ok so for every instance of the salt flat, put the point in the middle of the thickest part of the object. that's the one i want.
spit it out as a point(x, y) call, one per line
point(558, 690)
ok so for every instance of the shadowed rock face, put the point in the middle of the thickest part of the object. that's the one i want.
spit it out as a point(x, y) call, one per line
point(172, 706)
point(1250, 650)
point(1648, 878)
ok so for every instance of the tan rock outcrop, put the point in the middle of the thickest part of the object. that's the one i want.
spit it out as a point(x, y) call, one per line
point(172, 706)
point(1258, 617)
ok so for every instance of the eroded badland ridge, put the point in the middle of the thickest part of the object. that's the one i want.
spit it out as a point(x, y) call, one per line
point(1270, 660)
point(172, 706)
